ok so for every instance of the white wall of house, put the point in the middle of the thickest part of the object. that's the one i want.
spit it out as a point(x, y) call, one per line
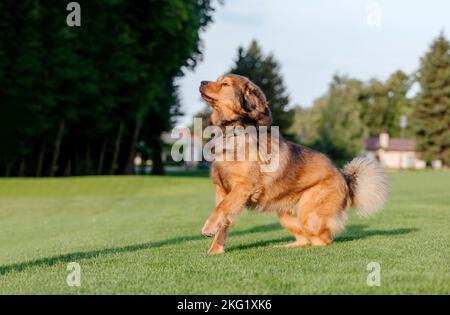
point(397, 159)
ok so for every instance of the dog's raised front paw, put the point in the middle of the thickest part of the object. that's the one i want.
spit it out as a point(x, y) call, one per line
point(210, 228)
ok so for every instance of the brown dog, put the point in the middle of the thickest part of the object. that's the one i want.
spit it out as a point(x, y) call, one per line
point(309, 194)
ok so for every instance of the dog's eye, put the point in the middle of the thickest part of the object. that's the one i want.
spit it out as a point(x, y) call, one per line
point(225, 84)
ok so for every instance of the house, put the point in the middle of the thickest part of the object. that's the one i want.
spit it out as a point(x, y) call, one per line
point(394, 152)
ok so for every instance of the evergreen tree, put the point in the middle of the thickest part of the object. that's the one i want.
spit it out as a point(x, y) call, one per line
point(264, 71)
point(432, 108)
point(78, 100)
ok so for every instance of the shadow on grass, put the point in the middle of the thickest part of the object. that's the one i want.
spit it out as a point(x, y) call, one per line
point(50, 261)
point(353, 232)
point(358, 231)
point(265, 243)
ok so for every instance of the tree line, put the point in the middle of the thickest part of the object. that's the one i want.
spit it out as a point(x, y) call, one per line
point(81, 100)
point(351, 110)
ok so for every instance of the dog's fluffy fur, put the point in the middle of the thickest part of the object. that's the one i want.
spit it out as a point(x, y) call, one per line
point(308, 193)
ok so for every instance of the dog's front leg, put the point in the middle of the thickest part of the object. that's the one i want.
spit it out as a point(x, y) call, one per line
point(226, 211)
point(218, 244)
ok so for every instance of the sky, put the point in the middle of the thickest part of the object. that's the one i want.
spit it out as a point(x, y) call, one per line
point(313, 40)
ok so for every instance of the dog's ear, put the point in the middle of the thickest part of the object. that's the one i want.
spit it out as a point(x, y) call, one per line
point(255, 105)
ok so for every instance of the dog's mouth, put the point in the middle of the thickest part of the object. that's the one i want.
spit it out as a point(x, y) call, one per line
point(207, 98)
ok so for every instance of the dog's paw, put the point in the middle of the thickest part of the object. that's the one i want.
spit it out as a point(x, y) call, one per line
point(214, 250)
point(210, 229)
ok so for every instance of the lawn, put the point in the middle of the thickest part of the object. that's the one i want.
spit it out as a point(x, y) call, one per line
point(142, 235)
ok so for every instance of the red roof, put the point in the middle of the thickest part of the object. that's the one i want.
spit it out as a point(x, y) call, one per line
point(395, 144)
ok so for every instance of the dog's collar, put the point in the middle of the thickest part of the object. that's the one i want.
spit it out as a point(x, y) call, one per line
point(238, 121)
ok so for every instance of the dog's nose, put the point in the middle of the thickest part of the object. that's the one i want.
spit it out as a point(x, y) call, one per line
point(203, 83)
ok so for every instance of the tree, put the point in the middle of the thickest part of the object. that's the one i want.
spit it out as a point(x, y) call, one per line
point(398, 86)
point(332, 124)
point(306, 123)
point(432, 106)
point(341, 132)
point(264, 71)
point(171, 45)
point(78, 100)
point(383, 103)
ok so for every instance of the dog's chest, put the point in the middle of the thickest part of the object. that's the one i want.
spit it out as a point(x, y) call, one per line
point(244, 174)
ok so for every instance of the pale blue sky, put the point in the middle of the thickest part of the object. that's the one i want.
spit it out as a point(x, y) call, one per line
point(315, 39)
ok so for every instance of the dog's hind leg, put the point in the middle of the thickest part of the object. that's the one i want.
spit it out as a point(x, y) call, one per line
point(292, 224)
point(322, 216)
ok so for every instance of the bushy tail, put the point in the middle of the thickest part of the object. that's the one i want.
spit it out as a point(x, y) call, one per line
point(368, 184)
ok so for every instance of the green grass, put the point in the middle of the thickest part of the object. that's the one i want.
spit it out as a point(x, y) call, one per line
point(142, 235)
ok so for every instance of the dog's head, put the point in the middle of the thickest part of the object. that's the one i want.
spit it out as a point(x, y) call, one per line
point(235, 98)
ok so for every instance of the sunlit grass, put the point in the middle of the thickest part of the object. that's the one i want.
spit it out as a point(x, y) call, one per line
point(142, 235)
